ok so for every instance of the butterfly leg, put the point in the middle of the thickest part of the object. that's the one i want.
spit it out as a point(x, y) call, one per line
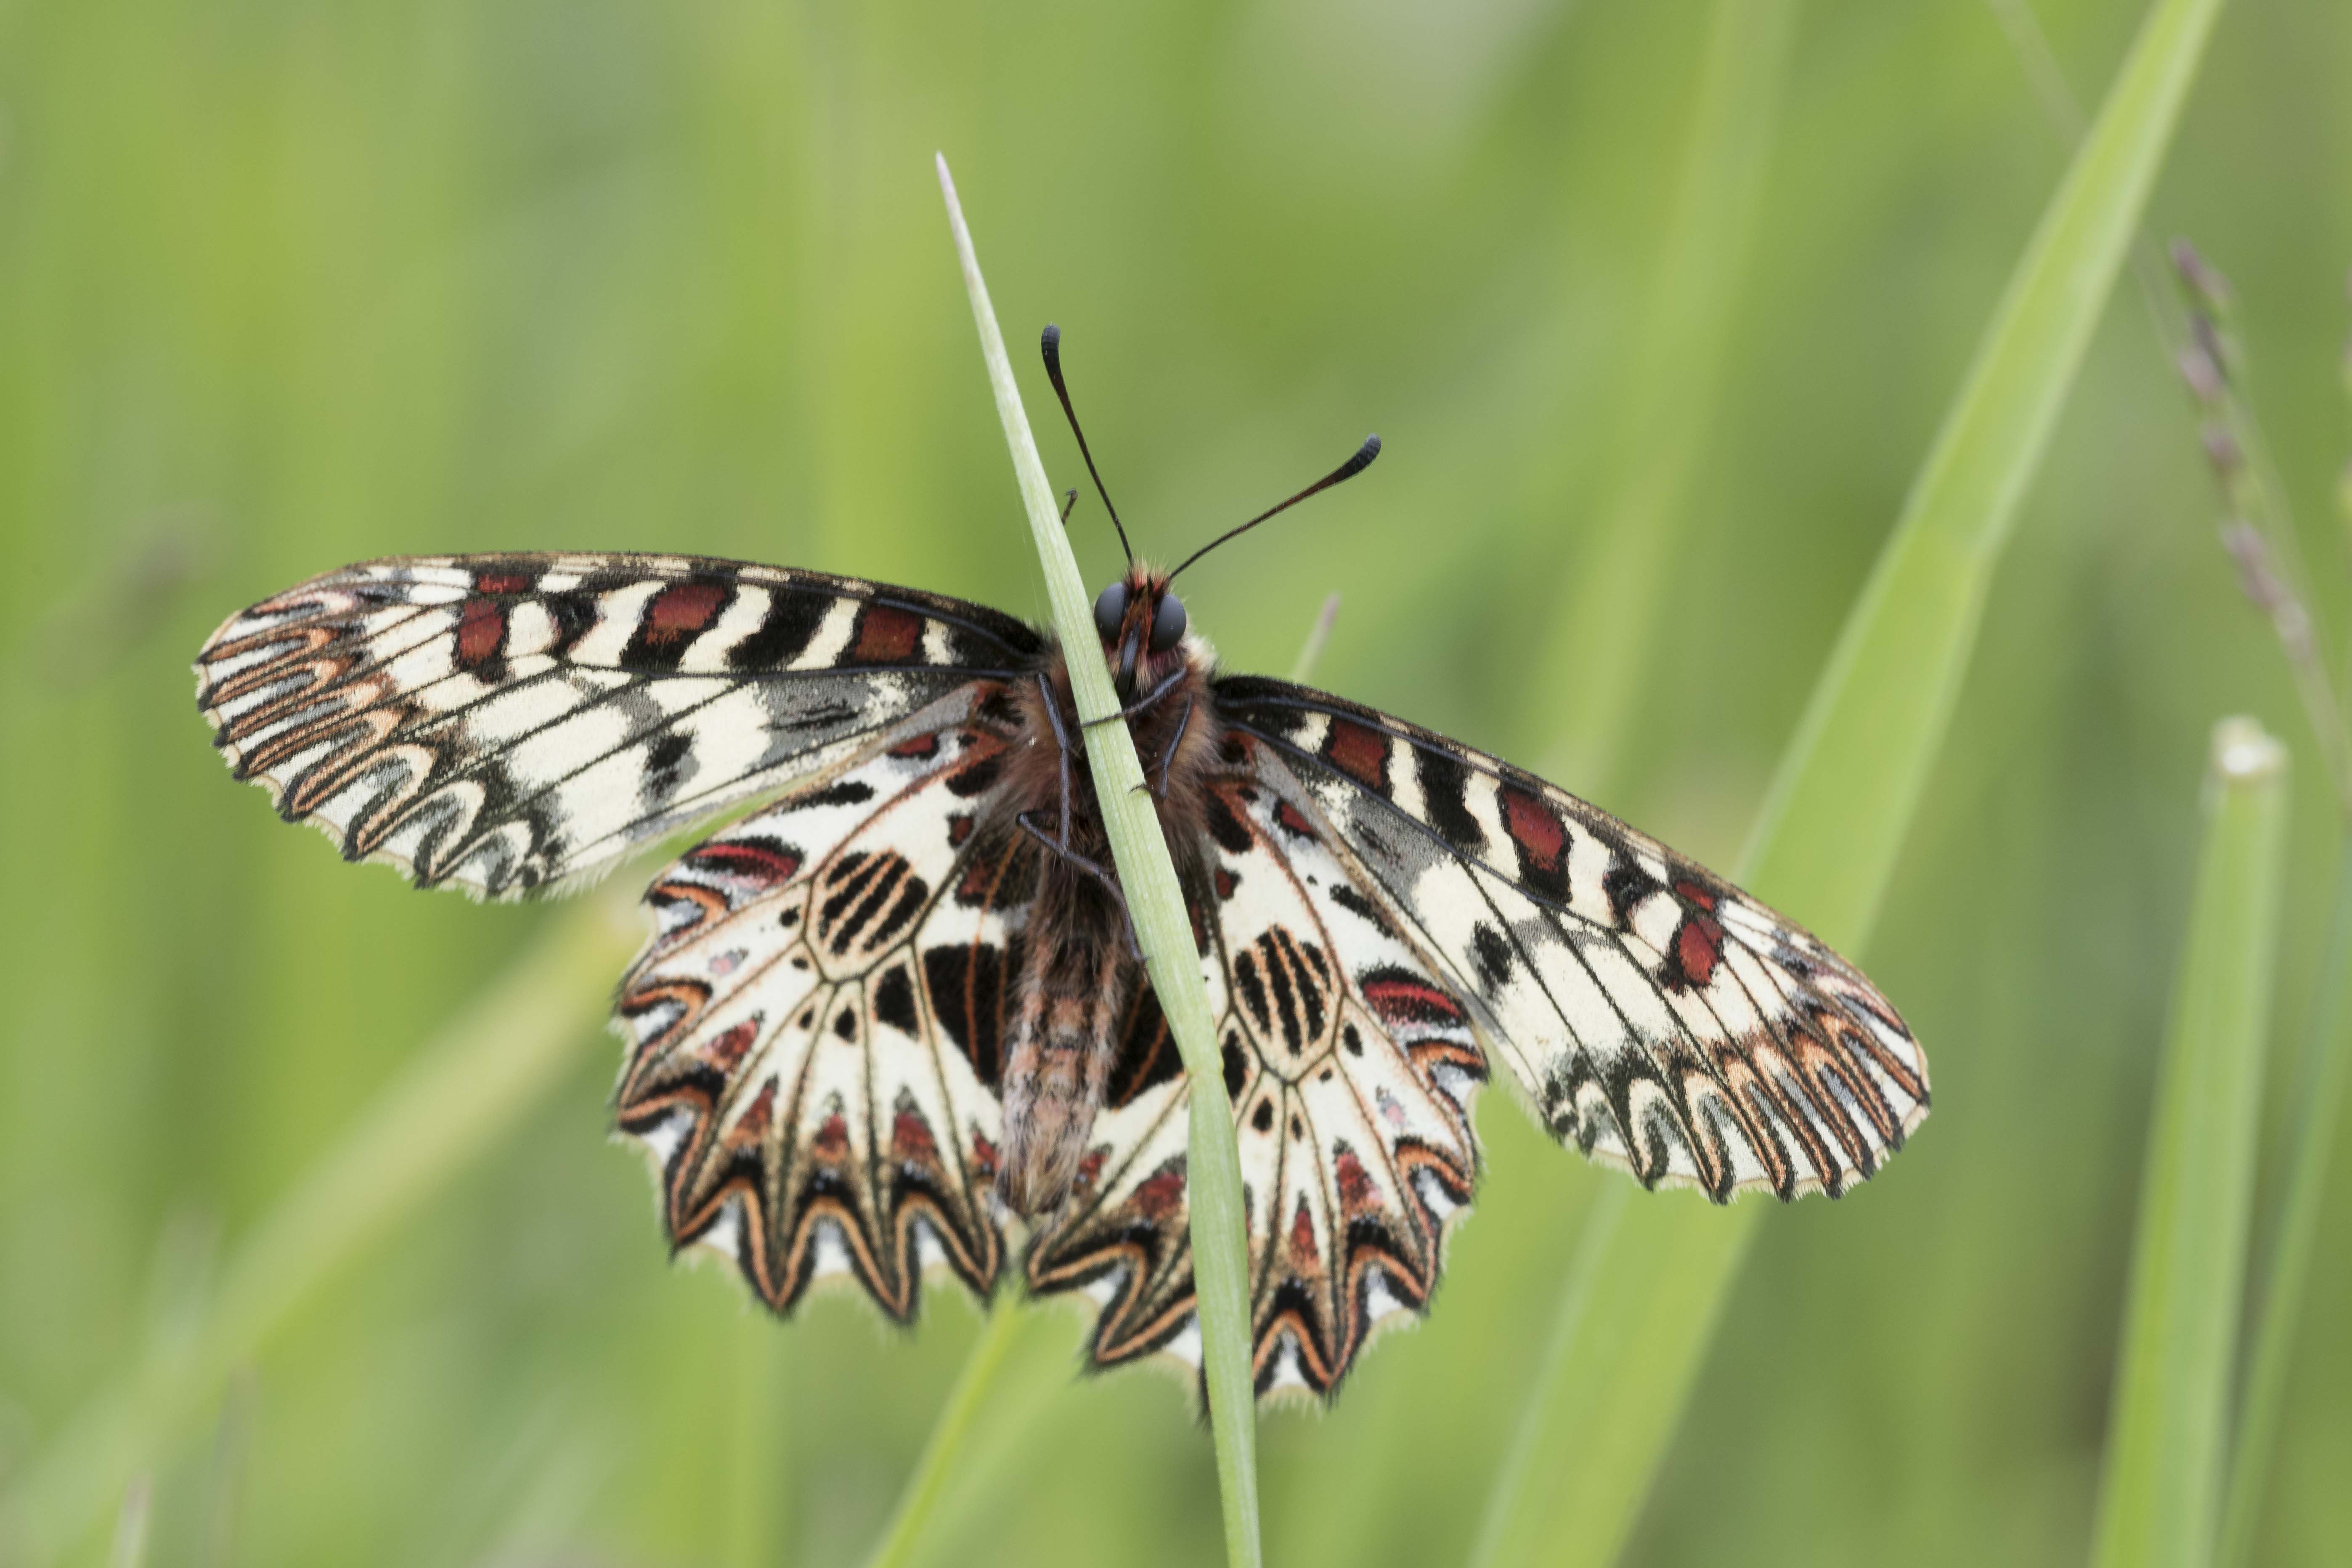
point(1168, 755)
point(1026, 822)
point(1140, 704)
point(1062, 744)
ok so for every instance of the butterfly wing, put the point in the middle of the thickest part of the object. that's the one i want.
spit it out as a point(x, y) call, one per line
point(1351, 1069)
point(1656, 1016)
point(815, 1025)
point(515, 722)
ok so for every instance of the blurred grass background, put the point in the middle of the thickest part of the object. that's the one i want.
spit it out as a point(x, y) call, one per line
point(285, 286)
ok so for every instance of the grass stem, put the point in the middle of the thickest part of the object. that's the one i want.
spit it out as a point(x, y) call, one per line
point(945, 1447)
point(1164, 930)
point(2318, 1105)
point(1825, 844)
point(2161, 1498)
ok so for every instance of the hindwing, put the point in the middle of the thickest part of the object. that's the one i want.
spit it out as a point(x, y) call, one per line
point(1350, 1067)
point(508, 723)
point(814, 1026)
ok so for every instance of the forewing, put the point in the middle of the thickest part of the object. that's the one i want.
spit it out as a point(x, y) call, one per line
point(814, 1026)
point(1656, 1016)
point(512, 722)
point(1350, 1071)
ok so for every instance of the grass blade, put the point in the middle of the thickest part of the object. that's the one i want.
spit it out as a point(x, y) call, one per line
point(949, 1435)
point(2319, 1102)
point(489, 1067)
point(1612, 598)
point(1643, 1304)
point(1213, 1177)
point(2160, 1499)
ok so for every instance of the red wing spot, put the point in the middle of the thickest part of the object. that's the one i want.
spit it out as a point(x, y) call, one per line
point(958, 829)
point(1302, 1237)
point(911, 1140)
point(1695, 893)
point(481, 632)
point(1401, 999)
point(762, 863)
point(983, 1156)
point(886, 635)
point(1227, 883)
point(926, 745)
point(1361, 754)
point(753, 1126)
point(1293, 820)
point(1090, 1170)
point(727, 1051)
point(832, 1141)
point(1356, 1190)
point(502, 582)
point(1160, 1196)
point(1536, 828)
point(1698, 944)
point(682, 610)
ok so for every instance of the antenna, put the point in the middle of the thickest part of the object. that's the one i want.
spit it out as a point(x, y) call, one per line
point(1347, 470)
point(1050, 344)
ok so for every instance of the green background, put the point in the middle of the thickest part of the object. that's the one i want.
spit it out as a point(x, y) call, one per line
point(282, 287)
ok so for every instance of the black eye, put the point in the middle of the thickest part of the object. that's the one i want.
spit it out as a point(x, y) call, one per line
point(1167, 623)
point(1110, 609)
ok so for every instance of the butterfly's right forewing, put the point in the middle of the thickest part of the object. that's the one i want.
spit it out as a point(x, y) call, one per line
point(1655, 1016)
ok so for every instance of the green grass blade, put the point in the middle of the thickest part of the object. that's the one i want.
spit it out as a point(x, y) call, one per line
point(2319, 1103)
point(485, 1071)
point(2160, 1499)
point(1642, 1305)
point(945, 1447)
point(1147, 874)
point(757, 1518)
point(1897, 665)
point(1612, 598)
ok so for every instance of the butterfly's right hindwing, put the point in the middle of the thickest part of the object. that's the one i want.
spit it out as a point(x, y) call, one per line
point(512, 723)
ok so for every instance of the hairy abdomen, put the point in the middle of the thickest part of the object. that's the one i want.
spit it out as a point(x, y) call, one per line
point(1080, 969)
point(1057, 1064)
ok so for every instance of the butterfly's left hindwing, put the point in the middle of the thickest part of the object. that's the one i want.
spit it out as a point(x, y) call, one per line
point(813, 1026)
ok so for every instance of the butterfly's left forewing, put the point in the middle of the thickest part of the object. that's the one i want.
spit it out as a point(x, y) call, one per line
point(508, 723)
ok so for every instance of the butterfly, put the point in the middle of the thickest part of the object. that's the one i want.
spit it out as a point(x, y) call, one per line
point(893, 1021)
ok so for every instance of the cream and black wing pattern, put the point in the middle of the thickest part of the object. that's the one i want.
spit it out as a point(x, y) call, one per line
point(816, 1029)
point(1656, 1016)
point(1351, 1067)
point(813, 1028)
point(511, 722)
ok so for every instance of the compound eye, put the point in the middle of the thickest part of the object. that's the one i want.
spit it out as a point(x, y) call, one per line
point(1168, 624)
point(1110, 609)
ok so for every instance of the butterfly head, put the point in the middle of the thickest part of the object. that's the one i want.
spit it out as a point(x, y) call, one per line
point(1141, 622)
point(1142, 625)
